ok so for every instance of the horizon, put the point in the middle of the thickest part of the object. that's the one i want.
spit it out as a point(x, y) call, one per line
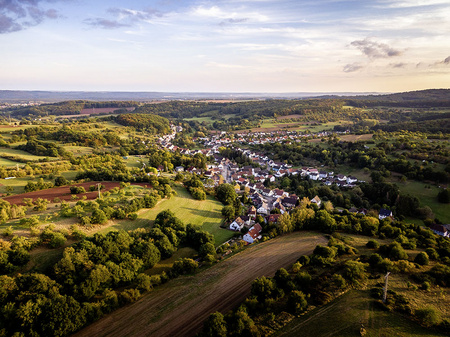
point(250, 46)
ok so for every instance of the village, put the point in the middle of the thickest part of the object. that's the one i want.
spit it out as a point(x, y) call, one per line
point(268, 203)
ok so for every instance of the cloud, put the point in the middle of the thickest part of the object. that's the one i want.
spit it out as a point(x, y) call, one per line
point(398, 65)
point(233, 21)
point(350, 68)
point(131, 14)
point(105, 23)
point(16, 15)
point(123, 17)
point(446, 61)
point(375, 50)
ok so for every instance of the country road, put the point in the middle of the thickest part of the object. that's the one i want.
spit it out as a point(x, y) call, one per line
point(180, 307)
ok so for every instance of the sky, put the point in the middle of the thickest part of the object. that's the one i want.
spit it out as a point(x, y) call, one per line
point(225, 45)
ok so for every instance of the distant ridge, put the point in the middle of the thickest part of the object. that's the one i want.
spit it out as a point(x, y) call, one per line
point(55, 96)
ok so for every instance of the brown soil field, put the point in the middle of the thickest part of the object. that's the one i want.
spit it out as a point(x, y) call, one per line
point(179, 307)
point(63, 192)
point(95, 111)
point(355, 138)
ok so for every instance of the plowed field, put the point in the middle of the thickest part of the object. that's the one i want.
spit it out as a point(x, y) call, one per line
point(180, 307)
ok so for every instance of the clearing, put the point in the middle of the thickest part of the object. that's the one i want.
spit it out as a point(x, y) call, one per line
point(206, 213)
point(343, 317)
point(179, 307)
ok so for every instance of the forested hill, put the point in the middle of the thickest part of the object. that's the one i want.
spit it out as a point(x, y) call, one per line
point(421, 98)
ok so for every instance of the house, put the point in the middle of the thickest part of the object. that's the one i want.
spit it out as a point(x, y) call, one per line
point(289, 202)
point(316, 200)
point(323, 175)
point(273, 218)
point(442, 230)
point(384, 213)
point(251, 212)
point(341, 178)
point(253, 234)
point(237, 224)
point(263, 209)
point(351, 180)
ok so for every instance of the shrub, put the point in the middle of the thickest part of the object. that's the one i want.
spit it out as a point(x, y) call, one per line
point(428, 316)
point(373, 244)
point(77, 189)
point(422, 259)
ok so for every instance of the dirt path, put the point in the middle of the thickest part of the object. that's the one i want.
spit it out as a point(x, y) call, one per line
point(179, 307)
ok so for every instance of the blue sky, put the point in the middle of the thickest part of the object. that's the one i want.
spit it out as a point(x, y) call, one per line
point(225, 45)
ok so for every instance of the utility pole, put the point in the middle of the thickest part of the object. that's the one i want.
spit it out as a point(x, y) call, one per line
point(385, 287)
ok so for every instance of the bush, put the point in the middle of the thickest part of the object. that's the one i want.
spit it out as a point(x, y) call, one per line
point(373, 244)
point(422, 259)
point(132, 216)
point(57, 240)
point(428, 316)
point(77, 189)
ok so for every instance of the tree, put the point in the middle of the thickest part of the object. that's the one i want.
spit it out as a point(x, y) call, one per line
point(285, 224)
point(228, 212)
point(98, 217)
point(263, 288)
point(215, 326)
point(422, 259)
point(226, 194)
point(444, 196)
point(61, 181)
point(354, 271)
point(296, 302)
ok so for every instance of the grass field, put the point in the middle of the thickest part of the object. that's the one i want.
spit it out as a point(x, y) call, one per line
point(78, 150)
point(343, 317)
point(21, 154)
point(206, 213)
point(427, 197)
point(9, 163)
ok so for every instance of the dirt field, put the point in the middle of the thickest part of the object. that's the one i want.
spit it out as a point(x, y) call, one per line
point(179, 307)
point(356, 138)
point(63, 192)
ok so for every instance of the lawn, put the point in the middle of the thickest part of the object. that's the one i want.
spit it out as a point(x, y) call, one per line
point(205, 213)
point(344, 316)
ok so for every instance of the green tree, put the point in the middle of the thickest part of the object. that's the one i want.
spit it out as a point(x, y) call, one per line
point(98, 217)
point(226, 194)
point(215, 326)
point(228, 212)
point(296, 302)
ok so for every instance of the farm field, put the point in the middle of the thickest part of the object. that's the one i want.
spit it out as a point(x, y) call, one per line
point(63, 192)
point(179, 307)
point(205, 213)
point(270, 126)
point(343, 318)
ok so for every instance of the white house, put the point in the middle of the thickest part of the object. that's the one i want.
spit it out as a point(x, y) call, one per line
point(263, 209)
point(384, 213)
point(316, 200)
point(253, 234)
point(237, 224)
